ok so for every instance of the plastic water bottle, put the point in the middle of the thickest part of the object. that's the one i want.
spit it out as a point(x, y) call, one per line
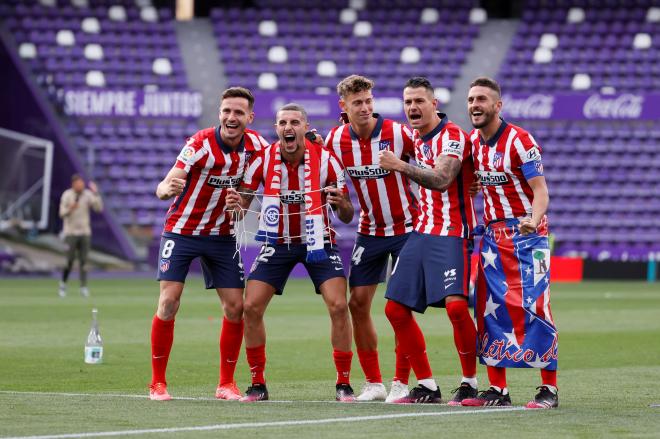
point(94, 345)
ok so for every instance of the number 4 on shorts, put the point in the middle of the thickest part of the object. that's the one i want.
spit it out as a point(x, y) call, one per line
point(357, 255)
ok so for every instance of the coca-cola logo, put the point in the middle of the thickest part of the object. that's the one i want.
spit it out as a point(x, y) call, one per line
point(536, 106)
point(625, 106)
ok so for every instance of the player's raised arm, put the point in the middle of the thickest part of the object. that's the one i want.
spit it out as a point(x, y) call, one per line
point(172, 185)
point(438, 179)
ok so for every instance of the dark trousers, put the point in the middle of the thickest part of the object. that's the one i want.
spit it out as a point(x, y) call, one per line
point(77, 245)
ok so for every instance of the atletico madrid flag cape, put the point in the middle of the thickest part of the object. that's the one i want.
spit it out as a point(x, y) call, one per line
point(514, 323)
point(271, 209)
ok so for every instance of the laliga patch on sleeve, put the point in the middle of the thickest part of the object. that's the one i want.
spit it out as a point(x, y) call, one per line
point(187, 155)
point(452, 147)
point(532, 154)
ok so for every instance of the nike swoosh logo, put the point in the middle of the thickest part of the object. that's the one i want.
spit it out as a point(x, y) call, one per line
point(231, 361)
point(449, 285)
point(156, 358)
point(339, 269)
point(253, 368)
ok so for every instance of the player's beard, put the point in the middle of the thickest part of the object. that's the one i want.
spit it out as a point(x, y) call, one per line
point(487, 117)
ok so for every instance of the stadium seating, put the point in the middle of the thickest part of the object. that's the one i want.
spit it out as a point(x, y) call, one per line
point(109, 44)
point(387, 43)
point(601, 174)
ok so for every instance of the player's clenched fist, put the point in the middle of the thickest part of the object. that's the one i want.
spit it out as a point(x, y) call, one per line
point(527, 226)
point(233, 199)
point(174, 187)
point(388, 161)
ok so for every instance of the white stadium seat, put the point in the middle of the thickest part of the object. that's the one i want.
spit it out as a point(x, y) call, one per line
point(442, 94)
point(429, 16)
point(410, 55)
point(93, 52)
point(348, 16)
point(267, 28)
point(267, 81)
point(149, 14)
point(362, 29)
point(581, 81)
point(27, 50)
point(326, 68)
point(117, 13)
point(278, 54)
point(80, 3)
point(642, 41)
point(542, 55)
point(162, 66)
point(478, 16)
point(653, 14)
point(357, 4)
point(65, 37)
point(575, 15)
point(90, 25)
point(95, 78)
point(549, 41)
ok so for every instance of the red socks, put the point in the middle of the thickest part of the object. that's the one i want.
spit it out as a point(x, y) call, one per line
point(370, 366)
point(465, 336)
point(410, 338)
point(401, 365)
point(497, 376)
point(231, 338)
point(162, 336)
point(549, 377)
point(256, 358)
point(343, 365)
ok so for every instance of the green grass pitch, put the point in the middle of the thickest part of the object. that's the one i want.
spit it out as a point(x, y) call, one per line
point(609, 357)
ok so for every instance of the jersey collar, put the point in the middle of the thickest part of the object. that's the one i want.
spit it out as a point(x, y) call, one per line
point(493, 140)
point(226, 148)
point(374, 134)
point(434, 132)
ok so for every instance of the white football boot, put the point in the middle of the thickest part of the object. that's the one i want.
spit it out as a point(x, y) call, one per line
point(397, 391)
point(372, 392)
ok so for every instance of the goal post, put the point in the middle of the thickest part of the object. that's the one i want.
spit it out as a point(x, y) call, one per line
point(25, 180)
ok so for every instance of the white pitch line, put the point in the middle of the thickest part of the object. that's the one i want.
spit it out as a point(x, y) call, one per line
point(180, 398)
point(263, 424)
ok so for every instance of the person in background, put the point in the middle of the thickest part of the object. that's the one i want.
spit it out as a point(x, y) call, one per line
point(75, 206)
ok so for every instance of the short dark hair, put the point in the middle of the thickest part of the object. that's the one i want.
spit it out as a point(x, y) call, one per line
point(76, 177)
point(354, 84)
point(292, 106)
point(239, 92)
point(420, 81)
point(485, 81)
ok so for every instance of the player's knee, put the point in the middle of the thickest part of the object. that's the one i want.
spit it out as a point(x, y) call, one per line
point(252, 312)
point(338, 309)
point(358, 305)
point(396, 313)
point(167, 307)
point(233, 310)
point(457, 309)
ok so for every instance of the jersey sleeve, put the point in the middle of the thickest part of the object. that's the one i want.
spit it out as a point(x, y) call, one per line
point(453, 143)
point(190, 154)
point(254, 172)
point(335, 173)
point(527, 156)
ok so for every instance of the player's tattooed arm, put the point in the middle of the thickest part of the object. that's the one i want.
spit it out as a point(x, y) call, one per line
point(341, 202)
point(438, 179)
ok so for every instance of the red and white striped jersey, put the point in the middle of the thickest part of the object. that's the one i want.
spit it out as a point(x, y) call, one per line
point(292, 191)
point(499, 165)
point(212, 168)
point(448, 213)
point(387, 205)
